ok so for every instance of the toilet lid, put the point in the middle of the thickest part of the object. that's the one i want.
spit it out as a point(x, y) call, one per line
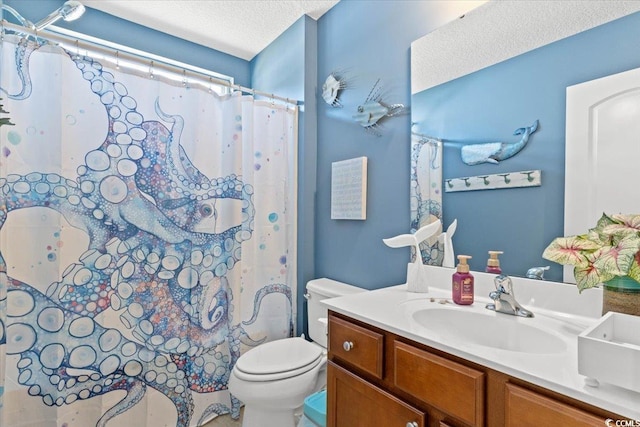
point(285, 355)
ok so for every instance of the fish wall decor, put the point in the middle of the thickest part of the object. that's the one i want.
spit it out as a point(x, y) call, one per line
point(331, 89)
point(373, 109)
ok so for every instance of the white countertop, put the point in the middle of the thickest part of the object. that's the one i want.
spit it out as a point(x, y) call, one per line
point(558, 309)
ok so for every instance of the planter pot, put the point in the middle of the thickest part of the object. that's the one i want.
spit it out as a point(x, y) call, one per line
point(622, 295)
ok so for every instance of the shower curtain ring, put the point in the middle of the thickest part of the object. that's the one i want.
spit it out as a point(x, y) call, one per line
point(151, 76)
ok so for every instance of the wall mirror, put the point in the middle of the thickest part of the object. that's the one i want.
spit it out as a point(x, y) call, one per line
point(501, 67)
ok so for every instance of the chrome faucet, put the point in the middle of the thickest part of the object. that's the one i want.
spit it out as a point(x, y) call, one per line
point(504, 301)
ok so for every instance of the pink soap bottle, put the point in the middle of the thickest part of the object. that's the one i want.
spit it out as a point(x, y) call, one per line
point(462, 286)
point(493, 263)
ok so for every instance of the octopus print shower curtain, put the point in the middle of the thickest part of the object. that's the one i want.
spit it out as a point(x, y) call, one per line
point(426, 193)
point(147, 239)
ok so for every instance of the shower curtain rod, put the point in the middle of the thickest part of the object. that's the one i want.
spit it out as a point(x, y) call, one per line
point(188, 73)
point(422, 135)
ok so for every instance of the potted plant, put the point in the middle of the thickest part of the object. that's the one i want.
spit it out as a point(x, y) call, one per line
point(607, 254)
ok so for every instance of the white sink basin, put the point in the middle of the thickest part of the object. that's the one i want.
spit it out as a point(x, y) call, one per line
point(490, 329)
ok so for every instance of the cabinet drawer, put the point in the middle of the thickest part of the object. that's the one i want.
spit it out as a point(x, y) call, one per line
point(526, 408)
point(353, 402)
point(449, 386)
point(356, 345)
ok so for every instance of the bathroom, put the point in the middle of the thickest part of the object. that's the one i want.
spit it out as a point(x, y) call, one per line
point(364, 41)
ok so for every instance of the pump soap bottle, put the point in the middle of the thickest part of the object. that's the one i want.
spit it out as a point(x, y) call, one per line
point(462, 287)
point(493, 263)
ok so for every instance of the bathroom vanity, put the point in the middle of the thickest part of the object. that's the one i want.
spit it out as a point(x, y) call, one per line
point(398, 358)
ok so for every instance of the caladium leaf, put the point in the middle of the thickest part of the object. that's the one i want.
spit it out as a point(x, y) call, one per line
point(630, 220)
point(634, 271)
point(624, 225)
point(570, 250)
point(604, 221)
point(617, 259)
point(600, 238)
point(610, 249)
point(587, 276)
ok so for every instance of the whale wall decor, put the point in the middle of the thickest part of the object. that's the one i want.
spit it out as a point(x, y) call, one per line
point(495, 152)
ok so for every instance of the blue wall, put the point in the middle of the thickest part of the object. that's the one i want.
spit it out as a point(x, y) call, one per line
point(489, 105)
point(364, 41)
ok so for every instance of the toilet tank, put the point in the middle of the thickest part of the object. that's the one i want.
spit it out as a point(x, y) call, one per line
point(317, 290)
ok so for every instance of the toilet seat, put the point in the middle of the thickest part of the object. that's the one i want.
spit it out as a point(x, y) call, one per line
point(277, 360)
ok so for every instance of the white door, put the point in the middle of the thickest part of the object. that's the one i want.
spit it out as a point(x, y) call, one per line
point(602, 166)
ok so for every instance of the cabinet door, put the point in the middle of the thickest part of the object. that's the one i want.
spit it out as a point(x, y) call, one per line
point(525, 408)
point(356, 345)
point(453, 388)
point(353, 402)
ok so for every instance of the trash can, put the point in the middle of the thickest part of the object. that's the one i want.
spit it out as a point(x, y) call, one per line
point(315, 410)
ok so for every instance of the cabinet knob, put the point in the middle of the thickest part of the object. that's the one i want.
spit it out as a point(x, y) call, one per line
point(412, 424)
point(347, 345)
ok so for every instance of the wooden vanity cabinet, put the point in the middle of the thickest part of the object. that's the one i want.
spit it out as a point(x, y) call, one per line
point(526, 408)
point(360, 347)
point(356, 402)
point(449, 386)
point(365, 388)
point(376, 378)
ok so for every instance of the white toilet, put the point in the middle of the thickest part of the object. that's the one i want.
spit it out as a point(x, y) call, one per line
point(273, 379)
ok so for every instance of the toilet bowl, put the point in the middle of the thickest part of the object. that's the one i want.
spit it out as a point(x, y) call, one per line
point(273, 379)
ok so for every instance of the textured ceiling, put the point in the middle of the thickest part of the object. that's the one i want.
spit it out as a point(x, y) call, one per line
point(499, 30)
point(240, 28)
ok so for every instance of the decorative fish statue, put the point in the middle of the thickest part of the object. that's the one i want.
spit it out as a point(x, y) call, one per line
point(495, 152)
point(537, 272)
point(331, 89)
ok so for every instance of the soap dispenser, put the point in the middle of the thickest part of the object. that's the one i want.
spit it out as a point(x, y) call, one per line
point(493, 263)
point(462, 286)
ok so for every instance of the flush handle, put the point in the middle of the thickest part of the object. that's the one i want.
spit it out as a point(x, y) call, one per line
point(412, 424)
point(347, 345)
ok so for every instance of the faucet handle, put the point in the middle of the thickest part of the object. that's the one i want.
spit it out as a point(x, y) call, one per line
point(503, 284)
point(495, 295)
